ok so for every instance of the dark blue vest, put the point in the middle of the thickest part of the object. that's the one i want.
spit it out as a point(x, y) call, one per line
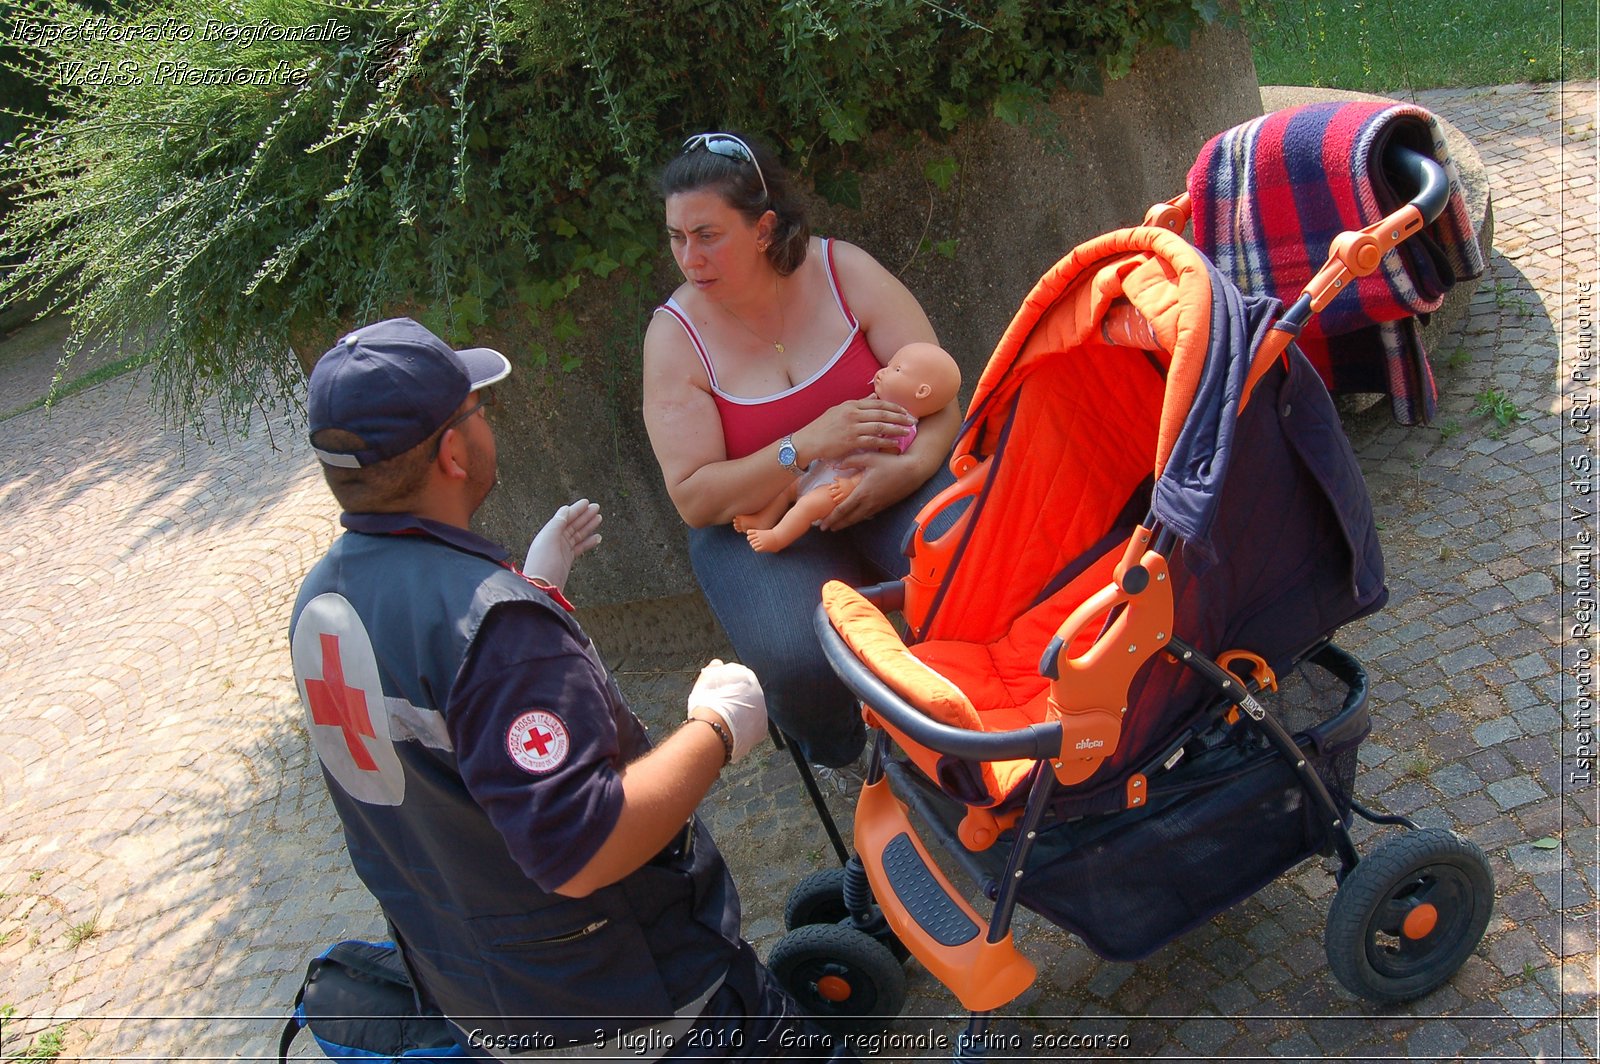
point(380, 630)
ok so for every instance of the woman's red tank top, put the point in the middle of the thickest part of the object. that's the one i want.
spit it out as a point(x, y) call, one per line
point(750, 424)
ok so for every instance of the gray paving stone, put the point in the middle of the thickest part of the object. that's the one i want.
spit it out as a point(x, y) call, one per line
point(1441, 1040)
point(1496, 731)
point(1466, 658)
point(1516, 791)
point(1455, 780)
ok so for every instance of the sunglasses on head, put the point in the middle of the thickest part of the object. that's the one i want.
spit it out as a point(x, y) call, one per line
point(729, 147)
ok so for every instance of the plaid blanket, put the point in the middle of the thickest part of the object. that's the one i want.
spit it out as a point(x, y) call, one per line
point(1269, 196)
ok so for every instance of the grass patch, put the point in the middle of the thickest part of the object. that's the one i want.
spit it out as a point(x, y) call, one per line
point(100, 375)
point(47, 1046)
point(78, 934)
point(1497, 404)
point(1512, 301)
point(1383, 45)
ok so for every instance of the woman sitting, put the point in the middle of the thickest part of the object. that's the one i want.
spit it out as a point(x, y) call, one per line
point(760, 363)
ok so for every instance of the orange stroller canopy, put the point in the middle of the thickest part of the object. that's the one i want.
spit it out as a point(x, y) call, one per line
point(1112, 407)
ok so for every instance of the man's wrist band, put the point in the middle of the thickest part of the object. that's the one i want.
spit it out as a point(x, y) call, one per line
point(722, 733)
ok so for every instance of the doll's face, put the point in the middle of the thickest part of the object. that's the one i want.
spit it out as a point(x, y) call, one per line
point(923, 378)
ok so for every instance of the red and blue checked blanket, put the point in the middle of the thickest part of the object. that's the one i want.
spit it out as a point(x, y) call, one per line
point(1268, 198)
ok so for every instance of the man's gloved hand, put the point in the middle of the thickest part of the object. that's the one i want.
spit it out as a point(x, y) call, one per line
point(574, 530)
point(733, 693)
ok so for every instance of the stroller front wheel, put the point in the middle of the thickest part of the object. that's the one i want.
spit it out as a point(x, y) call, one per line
point(847, 981)
point(1408, 916)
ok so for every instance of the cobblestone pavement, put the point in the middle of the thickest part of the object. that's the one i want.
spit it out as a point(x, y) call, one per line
point(168, 858)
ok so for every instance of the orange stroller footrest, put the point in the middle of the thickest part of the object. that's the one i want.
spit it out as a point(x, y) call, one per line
point(935, 923)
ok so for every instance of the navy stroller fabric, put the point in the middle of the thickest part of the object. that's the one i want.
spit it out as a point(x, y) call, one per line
point(1290, 552)
point(1275, 541)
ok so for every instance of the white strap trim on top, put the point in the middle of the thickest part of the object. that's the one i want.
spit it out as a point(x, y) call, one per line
point(833, 285)
point(673, 307)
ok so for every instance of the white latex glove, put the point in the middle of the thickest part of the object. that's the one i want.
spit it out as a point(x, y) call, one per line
point(574, 530)
point(733, 693)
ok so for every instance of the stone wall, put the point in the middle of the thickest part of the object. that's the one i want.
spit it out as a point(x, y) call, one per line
point(1022, 199)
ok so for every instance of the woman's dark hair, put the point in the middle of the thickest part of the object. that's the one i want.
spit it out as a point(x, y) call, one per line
point(739, 183)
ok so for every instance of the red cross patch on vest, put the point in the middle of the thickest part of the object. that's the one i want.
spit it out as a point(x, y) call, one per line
point(346, 712)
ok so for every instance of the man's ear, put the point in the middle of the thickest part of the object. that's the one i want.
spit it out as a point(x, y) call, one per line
point(452, 459)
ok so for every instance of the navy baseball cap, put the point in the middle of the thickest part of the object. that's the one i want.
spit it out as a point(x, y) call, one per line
point(393, 383)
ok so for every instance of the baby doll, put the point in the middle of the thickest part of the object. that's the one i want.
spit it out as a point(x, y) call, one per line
point(921, 377)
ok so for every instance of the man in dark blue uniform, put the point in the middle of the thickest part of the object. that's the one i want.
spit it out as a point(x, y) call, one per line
point(539, 862)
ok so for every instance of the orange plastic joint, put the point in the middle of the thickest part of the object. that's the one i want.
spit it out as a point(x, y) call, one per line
point(1131, 554)
point(1138, 791)
point(1088, 737)
point(1172, 215)
point(1260, 671)
point(1356, 253)
point(1090, 694)
point(980, 828)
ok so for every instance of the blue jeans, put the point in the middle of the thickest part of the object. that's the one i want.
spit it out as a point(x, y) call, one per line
point(765, 603)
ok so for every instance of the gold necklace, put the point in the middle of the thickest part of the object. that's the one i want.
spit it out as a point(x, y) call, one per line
point(777, 345)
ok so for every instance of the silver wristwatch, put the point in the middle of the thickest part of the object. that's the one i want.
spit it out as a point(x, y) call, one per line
point(786, 455)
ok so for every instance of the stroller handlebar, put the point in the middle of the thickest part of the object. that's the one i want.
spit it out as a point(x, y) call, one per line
point(1035, 742)
point(1424, 174)
point(1358, 252)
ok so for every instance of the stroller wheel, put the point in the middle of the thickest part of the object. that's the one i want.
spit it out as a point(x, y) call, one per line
point(819, 898)
point(843, 979)
point(1407, 916)
point(816, 899)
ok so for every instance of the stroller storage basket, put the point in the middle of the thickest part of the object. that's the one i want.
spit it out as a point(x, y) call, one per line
point(1225, 822)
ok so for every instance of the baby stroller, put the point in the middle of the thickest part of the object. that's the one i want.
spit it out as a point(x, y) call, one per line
point(1113, 684)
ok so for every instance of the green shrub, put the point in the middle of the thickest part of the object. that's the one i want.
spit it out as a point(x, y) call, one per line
point(475, 160)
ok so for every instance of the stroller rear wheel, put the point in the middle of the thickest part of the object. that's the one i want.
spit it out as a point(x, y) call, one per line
point(821, 898)
point(1408, 916)
point(816, 899)
point(842, 978)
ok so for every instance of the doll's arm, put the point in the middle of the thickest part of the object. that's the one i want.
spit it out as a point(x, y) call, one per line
point(841, 487)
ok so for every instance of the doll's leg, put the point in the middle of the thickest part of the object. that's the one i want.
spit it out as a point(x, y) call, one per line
point(812, 506)
point(768, 515)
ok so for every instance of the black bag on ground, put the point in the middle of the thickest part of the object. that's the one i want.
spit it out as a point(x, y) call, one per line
point(360, 1005)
